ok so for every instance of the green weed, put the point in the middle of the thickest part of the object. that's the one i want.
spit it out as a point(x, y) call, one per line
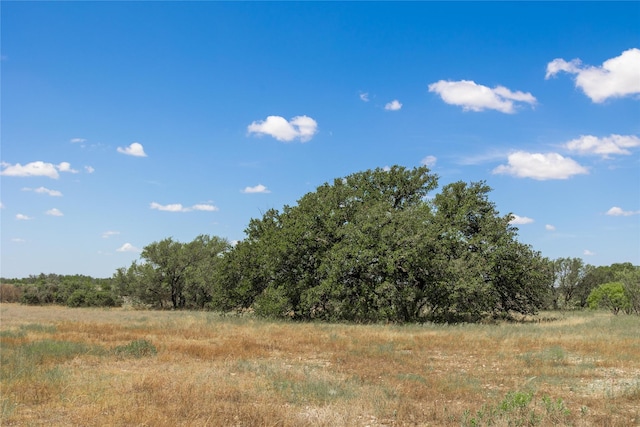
point(519, 409)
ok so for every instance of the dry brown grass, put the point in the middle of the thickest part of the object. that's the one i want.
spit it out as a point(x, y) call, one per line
point(64, 366)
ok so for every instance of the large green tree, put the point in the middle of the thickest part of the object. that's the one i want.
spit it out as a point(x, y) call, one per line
point(484, 269)
point(569, 279)
point(372, 247)
point(174, 274)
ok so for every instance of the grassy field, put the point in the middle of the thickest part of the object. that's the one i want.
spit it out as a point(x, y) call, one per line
point(97, 367)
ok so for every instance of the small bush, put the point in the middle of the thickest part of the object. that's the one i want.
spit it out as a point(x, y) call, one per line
point(9, 293)
point(609, 295)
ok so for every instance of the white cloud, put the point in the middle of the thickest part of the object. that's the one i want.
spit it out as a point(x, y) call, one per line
point(617, 211)
point(429, 161)
point(364, 97)
point(394, 105)
point(256, 189)
point(300, 127)
point(550, 227)
point(89, 169)
point(520, 220)
point(66, 167)
point(18, 240)
point(108, 234)
point(617, 77)
point(474, 97)
point(22, 217)
point(44, 190)
point(587, 252)
point(54, 212)
point(559, 64)
point(135, 149)
point(128, 247)
point(38, 168)
point(613, 144)
point(177, 207)
point(204, 207)
point(77, 140)
point(540, 166)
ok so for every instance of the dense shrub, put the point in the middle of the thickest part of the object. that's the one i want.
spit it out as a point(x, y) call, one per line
point(610, 295)
point(9, 293)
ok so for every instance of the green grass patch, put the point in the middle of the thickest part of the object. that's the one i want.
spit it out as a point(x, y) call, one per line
point(310, 389)
point(520, 408)
point(57, 351)
point(412, 377)
point(138, 348)
point(552, 356)
point(12, 334)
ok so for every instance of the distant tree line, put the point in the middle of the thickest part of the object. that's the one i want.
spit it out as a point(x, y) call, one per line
point(373, 246)
point(71, 290)
point(578, 285)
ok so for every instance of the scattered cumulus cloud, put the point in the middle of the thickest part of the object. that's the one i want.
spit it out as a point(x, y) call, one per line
point(617, 211)
point(540, 166)
point(616, 77)
point(613, 144)
point(44, 190)
point(22, 217)
point(128, 247)
point(38, 168)
point(394, 105)
point(364, 97)
point(256, 189)
point(587, 252)
point(429, 161)
point(78, 140)
point(54, 212)
point(109, 233)
point(204, 207)
point(301, 128)
point(520, 220)
point(177, 207)
point(18, 240)
point(475, 97)
point(66, 167)
point(550, 227)
point(134, 149)
point(89, 169)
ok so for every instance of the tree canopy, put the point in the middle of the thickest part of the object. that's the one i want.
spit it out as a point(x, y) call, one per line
point(373, 246)
point(173, 273)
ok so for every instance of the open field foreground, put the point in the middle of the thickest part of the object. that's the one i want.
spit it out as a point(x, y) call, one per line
point(97, 367)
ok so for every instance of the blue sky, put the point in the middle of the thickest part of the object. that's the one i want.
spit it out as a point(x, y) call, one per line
point(126, 123)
